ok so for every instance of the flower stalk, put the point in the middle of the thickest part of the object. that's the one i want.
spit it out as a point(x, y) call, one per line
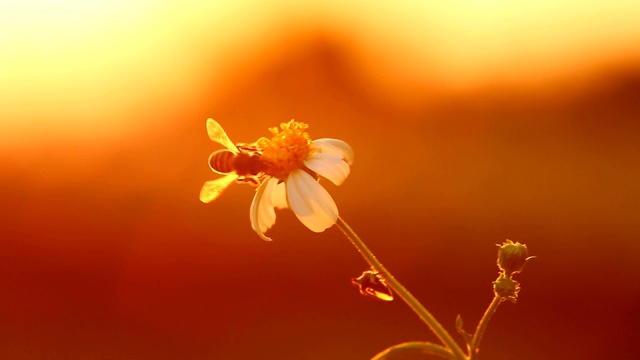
point(482, 326)
point(413, 346)
point(413, 303)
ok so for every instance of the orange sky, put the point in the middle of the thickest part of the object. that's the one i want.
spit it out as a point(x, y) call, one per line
point(73, 70)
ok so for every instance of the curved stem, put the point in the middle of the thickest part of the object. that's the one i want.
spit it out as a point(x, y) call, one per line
point(424, 347)
point(482, 325)
point(413, 303)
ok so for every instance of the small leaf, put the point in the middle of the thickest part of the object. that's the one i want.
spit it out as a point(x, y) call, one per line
point(465, 335)
point(372, 284)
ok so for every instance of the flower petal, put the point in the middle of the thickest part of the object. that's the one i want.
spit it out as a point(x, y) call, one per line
point(335, 147)
point(329, 166)
point(311, 203)
point(262, 214)
point(279, 196)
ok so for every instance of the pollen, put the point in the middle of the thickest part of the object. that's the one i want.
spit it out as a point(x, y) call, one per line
point(286, 150)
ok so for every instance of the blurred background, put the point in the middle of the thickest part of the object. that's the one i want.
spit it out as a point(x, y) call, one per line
point(472, 122)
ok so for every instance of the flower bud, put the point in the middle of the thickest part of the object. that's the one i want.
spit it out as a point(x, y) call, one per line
point(512, 257)
point(506, 288)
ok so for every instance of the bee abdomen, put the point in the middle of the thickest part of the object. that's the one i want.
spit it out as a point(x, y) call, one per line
point(221, 161)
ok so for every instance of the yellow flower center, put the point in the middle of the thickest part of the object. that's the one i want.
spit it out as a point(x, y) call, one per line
point(286, 150)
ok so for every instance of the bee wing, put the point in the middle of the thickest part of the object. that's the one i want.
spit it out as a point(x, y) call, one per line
point(217, 134)
point(212, 189)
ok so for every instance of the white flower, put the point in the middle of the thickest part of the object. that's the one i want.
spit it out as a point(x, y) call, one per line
point(293, 162)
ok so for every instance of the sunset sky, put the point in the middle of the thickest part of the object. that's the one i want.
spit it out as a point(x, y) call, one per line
point(472, 122)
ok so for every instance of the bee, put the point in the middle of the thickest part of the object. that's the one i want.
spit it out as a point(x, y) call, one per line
point(238, 162)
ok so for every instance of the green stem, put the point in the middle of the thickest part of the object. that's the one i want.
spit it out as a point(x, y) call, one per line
point(482, 326)
point(413, 303)
point(424, 347)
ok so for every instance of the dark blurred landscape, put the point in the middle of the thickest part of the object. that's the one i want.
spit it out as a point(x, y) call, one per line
point(107, 253)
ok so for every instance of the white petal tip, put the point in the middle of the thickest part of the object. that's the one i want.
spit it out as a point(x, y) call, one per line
point(261, 234)
point(336, 147)
point(319, 230)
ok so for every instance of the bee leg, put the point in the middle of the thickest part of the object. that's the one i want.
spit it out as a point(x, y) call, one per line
point(252, 180)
